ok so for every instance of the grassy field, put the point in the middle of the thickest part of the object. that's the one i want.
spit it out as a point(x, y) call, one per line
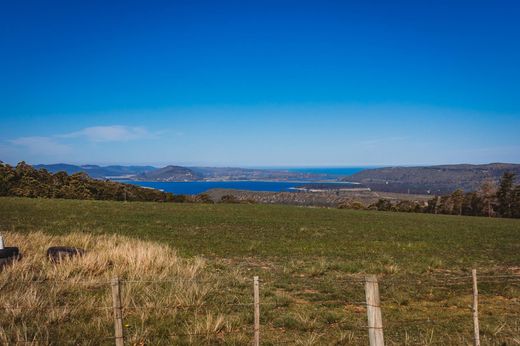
point(310, 261)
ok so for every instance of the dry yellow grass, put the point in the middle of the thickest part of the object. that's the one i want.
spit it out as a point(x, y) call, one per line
point(167, 300)
point(70, 302)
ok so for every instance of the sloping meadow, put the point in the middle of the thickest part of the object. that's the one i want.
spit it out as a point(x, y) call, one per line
point(70, 302)
point(311, 263)
point(168, 299)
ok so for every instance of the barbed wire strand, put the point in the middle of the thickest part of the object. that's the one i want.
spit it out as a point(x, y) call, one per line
point(381, 280)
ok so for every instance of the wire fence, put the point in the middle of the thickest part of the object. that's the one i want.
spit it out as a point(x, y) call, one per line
point(358, 318)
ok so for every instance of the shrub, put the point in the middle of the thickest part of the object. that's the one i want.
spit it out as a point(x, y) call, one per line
point(229, 199)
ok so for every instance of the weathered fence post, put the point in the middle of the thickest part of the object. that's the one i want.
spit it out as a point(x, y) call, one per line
point(375, 321)
point(256, 294)
point(475, 309)
point(118, 312)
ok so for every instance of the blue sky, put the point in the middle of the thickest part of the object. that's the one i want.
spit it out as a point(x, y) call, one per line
point(260, 83)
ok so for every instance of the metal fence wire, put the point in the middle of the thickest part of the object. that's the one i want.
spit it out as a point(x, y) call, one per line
point(373, 306)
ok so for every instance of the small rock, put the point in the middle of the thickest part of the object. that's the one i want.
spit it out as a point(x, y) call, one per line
point(57, 253)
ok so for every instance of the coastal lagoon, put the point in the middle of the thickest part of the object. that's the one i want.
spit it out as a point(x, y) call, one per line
point(196, 187)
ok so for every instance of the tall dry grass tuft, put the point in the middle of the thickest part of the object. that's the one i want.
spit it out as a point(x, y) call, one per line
point(70, 302)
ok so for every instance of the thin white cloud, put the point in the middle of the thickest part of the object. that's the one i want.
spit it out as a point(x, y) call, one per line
point(41, 145)
point(114, 133)
point(62, 145)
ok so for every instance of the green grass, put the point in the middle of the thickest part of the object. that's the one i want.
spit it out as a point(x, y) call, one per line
point(306, 255)
point(353, 240)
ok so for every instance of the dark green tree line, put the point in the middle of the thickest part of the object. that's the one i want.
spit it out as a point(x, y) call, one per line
point(25, 181)
point(489, 200)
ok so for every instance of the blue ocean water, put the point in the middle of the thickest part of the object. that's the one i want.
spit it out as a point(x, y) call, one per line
point(196, 187)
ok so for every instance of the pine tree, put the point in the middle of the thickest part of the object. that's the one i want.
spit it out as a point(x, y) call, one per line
point(505, 194)
point(515, 207)
point(472, 204)
point(457, 198)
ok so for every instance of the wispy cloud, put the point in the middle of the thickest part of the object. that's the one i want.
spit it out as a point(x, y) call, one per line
point(114, 133)
point(62, 145)
point(41, 145)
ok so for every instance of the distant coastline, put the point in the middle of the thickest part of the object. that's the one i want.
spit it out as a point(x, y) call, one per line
point(197, 187)
point(174, 173)
point(429, 180)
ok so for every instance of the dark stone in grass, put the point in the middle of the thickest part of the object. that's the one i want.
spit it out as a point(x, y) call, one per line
point(9, 255)
point(57, 253)
point(8, 252)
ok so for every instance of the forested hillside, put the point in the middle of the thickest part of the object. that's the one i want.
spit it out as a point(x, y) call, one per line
point(433, 180)
point(169, 173)
point(26, 181)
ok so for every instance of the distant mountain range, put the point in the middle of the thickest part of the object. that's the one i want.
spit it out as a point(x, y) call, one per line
point(179, 173)
point(432, 179)
point(98, 172)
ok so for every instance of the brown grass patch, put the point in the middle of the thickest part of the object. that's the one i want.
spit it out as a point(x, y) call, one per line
point(70, 302)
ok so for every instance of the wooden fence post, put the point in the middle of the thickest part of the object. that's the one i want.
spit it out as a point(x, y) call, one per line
point(256, 294)
point(475, 309)
point(375, 321)
point(118, 312)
